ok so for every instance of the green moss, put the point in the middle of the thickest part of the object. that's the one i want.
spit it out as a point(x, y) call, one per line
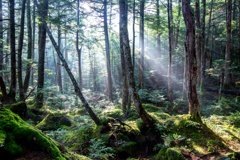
point(73, 156)
point(121, 136)
point(54, 121)
point(107, 120)
point(115, 113)
point(169, 154)
point(19, 108)
point(19, 132)
point(3, 136)
point(151, 108)
point(128, 147)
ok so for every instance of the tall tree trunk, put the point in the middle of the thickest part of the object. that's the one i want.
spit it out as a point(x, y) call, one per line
point(209, 25)
point(66, 58)
point(29, 48)
point(76, 87)
point(41, 52)
point(107, 52)
point(20, 46)
point(203, 56)
point(12, 92)
point(239, 29)
point(1, 38)
point(158, 31)
point(198, 49)
point(133, 47)
point(59, 70)
point(185, 76)
point(170, 54)
point(33, 42)
point(178, 24)
point(194, 108)
point(226, 82)
point(79, 50)
point(124, 72)
point(127, 54)
point(141, 41)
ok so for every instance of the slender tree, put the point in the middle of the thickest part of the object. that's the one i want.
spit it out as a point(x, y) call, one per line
point(133, 47)
point(170, 54)
point(198, 44)
point(194, 108)
point(20, 46)
point(158, 30)
point(29, 48)
point(33, 42)
point(178, 24)
point(226, 82)
point(12, 92)
point(59, 68)
point(107, 52)
point(41, 52)
point(1, 37)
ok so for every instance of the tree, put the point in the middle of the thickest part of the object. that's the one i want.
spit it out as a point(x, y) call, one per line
point(12, 92)
point(79, 50)
point(194, 108)
point(198, 44)
point(226, 82)
point(141, 45)
point(170, 53)
point(41, 52)
point(59, 70)
point(203, 56)
point(158, 32)
point(76, 87)
point(1, 37)
point(20, 46)
point(29, 48)
point(107, 51)
point(127, 54)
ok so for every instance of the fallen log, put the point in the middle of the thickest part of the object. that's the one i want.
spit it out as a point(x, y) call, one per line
point(232, 92)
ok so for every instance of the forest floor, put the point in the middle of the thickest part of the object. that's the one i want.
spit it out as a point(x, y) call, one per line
point(124, 136)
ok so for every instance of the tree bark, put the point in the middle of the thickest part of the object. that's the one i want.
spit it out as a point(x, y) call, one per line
point(124, 71)
point(158, 31)
point(41, 52)
point(194, 108)
point(226, 82)
point(107, 52)
point(178, 24)
point(170, 54)
point(239, 29)
point(29, 48)
point(127, 54)
point(76, 87)
point(20, 46)
point(198, 45)
point(133, 47)
point(59, 70)
point(203, 56)
point(12, 92)
point(33, 43)
point(1, 38)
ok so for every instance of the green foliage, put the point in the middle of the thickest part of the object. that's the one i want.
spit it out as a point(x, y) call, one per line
point(99, 150)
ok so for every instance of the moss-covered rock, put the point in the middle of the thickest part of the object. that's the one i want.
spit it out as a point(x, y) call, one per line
point(54, 121)
point(19, 108)
point(17, 132)
point(169, 154)
point(128, 147)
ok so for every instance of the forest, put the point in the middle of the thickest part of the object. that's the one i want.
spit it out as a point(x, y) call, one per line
point(119, 79)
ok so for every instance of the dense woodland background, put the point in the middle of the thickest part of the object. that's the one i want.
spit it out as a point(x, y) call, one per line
point(107, 79)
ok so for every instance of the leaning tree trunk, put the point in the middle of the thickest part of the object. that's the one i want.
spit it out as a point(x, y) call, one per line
point(170, 54)
point(12, 92)
point(127, 54)
point(226, 82)
point(107, 52)
point(194, 108)
point(76, 87)
point(20, 46)
point(29, 48)
point(41, 53)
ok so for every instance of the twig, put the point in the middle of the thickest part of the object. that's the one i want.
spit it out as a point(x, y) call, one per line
point(30, 93)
